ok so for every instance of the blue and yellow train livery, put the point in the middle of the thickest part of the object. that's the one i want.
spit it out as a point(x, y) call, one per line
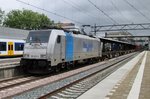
point(11, 47)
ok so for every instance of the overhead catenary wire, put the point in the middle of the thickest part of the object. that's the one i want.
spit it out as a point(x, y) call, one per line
point(121, 14)
point(82, 10)
point(115, 22)
point(137, 10)
point(142, 5)
point(117, 9)
point(72, 5)
point(51, 12)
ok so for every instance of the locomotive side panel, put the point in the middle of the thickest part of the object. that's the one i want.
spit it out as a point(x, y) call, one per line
point(56, 47)
point(85, 47)
point(69, 47)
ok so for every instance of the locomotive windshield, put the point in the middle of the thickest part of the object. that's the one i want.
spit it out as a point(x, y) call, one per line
point(38, 37)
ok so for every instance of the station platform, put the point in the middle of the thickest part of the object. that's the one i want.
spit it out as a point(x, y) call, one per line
point(4, 63)
point(131, 81)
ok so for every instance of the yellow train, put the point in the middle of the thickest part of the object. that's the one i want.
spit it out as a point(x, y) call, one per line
point(11, 47)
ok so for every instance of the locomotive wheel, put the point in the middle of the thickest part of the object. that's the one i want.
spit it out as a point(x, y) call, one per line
point(68, 66)
point(57, 69)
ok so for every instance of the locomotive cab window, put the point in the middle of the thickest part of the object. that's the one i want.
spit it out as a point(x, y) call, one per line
point(38, 37)
point(2, 46)
point(58, 39)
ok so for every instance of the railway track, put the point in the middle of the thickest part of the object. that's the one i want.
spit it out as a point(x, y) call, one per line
point(69, 84)
point(77, 88)
point(11, 78)
point(5, 84)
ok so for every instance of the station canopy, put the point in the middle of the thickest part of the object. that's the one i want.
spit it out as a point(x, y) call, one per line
point(12, 33)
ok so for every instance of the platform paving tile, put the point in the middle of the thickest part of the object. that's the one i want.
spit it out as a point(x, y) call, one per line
point(123, 88)
point(110, 84)
point(145, 86)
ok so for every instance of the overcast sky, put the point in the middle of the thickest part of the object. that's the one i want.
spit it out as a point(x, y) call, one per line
point(83, 12)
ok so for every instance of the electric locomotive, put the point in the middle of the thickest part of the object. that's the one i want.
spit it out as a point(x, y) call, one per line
point(53, 49)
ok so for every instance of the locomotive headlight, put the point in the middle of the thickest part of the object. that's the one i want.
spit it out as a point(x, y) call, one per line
point(43, 56)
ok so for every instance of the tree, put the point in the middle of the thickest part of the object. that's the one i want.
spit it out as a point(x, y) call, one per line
point(1, 16)
point(26, 19)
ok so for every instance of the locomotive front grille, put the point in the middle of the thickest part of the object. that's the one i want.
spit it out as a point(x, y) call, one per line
point(35, 56)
